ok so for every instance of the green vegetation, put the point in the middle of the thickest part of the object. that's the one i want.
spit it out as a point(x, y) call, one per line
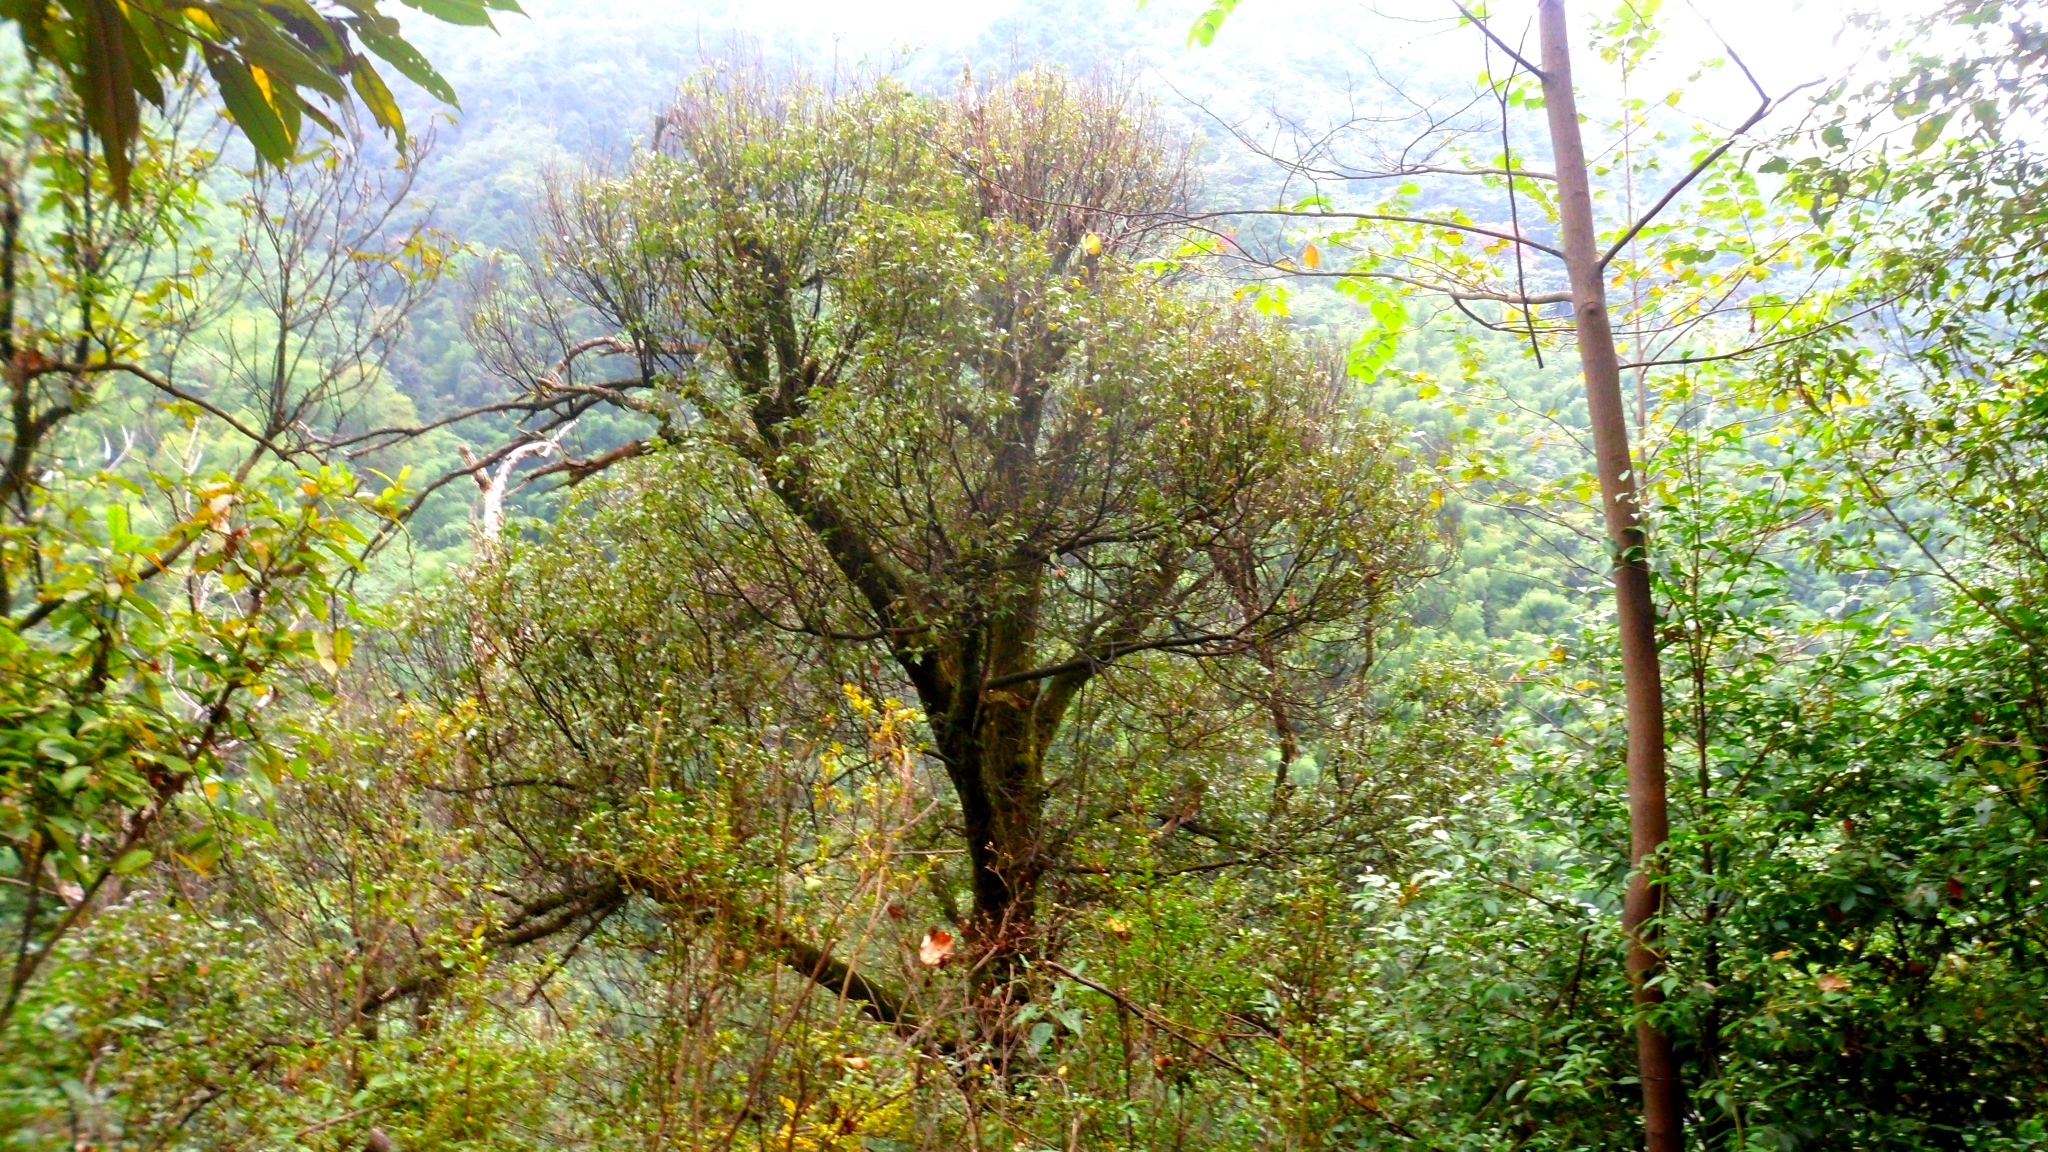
point(112, 57)
point(903, 615)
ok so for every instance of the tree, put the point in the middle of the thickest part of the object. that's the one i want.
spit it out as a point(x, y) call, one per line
point(268, 60)
point(1415, 242)
point(1621, 495)
point(178, 537)
point(989, 446)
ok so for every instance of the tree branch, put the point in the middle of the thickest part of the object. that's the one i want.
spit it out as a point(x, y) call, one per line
point(1499, 43)
point(536, 921)
point(1378, 217)
point(829, 972)
point(169, 389)
point(1112, 652)
point(1763, 109)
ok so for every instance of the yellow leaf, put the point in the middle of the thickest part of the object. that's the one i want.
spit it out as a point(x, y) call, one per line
point(1311, 258)
point(1092, 244)
point(323, 648)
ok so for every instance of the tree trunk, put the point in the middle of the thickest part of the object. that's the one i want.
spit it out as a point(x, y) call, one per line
point(995, 765)
point(1620, 491)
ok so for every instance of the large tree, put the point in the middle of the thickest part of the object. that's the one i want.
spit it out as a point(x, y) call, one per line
point(964, 429)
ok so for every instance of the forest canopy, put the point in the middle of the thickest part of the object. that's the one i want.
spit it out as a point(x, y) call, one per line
point(909, 613)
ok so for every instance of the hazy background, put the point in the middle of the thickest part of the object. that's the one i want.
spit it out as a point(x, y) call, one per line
point(576, 84)
point(581, 78)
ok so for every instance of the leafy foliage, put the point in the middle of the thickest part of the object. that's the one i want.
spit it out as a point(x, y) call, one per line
point(159, 597)
point(693, 814)
point(269, 63)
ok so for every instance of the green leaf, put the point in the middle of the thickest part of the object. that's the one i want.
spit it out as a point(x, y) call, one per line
point(287, 103)
point(31, 16)
point(248, 108)
point(1041, 1035)
point(377, 98)
point(200, 850)
point(286, 62)
point(133, 861)
point(474, 13)
point(1209, 23)
point(142, 58)
point(108, 88)
point(410, 64)
point(164, 44)
point(1929, 130)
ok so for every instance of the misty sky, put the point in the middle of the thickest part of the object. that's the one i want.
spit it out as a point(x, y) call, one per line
point(576, 80)
point(1786, 42)
point(1780, 39)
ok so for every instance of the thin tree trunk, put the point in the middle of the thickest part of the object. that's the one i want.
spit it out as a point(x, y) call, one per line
point(1620, 490)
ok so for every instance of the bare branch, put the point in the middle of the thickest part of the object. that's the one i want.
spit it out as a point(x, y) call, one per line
point(1378, 217)
point(1112, 652)
point(1763, 109)
point(169, 389)
point(1499, 43)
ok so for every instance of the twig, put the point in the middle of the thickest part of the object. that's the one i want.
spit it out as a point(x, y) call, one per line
point(1207, 1047)
point(344, 1118)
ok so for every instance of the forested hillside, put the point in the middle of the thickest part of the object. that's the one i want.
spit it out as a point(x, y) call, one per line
point(1184, 576)
point(583, 87)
